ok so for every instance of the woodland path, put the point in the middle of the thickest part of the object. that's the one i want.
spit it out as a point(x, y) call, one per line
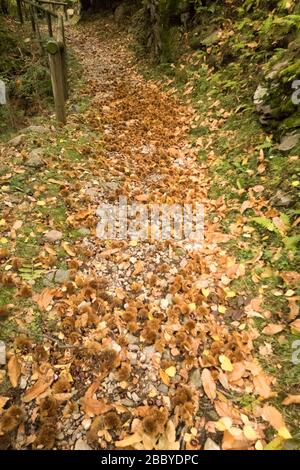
point(151, 345)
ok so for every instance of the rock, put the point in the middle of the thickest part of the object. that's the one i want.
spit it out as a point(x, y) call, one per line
point(212, 39)
point(288, 142)
point(53, 236)
point(195, 378)
point(259, 95)
point(86, 424)
point(132, 358)
point(162, 388)
point(135, 397)
point(2, 353)
point(282, 199)
point(36, 129)
point(17, 141)
point(211, 445)
point(70, 12)
point(82, 445)
point(62, 276)
point(35, 159)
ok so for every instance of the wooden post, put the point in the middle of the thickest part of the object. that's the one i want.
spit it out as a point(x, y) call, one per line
point(49, 23)
point(32, 19)
point(20, 14)
point(53, 48)
point(63, 53)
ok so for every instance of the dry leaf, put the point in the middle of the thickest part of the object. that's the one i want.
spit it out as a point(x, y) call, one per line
point(209, 384)
point(42, 384)
point(291, 399)
point(14, 370)
point(273, 416)
point(129, 441)
point(91, 405)
point(44, 298)
point(272, 329)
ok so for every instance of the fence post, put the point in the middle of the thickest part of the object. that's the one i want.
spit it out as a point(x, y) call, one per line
point(32, 19)
point(63, 54)
point(49, 23)
point(19, 8)
point(53, 48)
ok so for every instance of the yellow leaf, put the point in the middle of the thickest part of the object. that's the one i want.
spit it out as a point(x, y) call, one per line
point(171, 371)
point(205, 292)
point(284, 433)
point(250, 433)
point(230, 294)
point(222, 309)
point(223, 424)
point(164, 377)
point(226, 363)
point(275, 444)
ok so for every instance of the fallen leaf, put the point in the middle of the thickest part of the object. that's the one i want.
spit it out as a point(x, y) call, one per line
point(273, 416)
point(272, 329)
point(42, 384)
point(129, 441)
point(226, 363)
point(171, 371)
point(291, 399)
point(91, 405)
point(209, 384)
point(14, 370)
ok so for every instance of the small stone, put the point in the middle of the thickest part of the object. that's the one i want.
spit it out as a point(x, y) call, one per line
point(17, 141)
point(260, 94)
point(82, 445)
point(62, 276)
point(288, 142)
point(132, 339)
point(142, 358)
point(35, 159)
point(2, 353)
point(132, 358)
point(23, 382)
point(162, 388)
point(135, 397)
point(36, 129)
point(195, 378)
point(127, 402)
point(211, 445)
point(53, 236)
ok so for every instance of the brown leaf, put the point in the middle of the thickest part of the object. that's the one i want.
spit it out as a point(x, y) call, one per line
point(14, 370)
point(44, 298)
point(262, 387)
point(231, 442)
point(273, 329)
point(273, 416)
point(91, 405)
point(291, 400)
point(209, 384)
point(129, 441)
point(294, 307)
point(42, 384)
